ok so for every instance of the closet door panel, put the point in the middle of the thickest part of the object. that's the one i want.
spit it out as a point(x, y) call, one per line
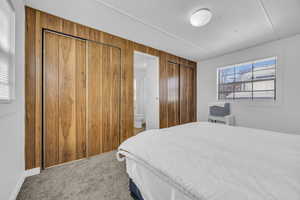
point(64, 99)
point(193, 91)
point(67, 112)
point(192, 109)
point(51, 96)
point(111, 98)
point(81, 99)
point(187, 94)
point(163, 91)
point(106, 115)
point(104, 92)
point(95, 122)
point(116, 98)
point(183, 95)
point(173, 94)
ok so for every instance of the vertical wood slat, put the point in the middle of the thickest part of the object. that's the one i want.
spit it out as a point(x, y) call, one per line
point(163, 91)
point(67, 100)
point(184, 91)
point(51, 22)
point(127, 117)
point(82, 31)
point(173, 94)
point(51, 100)
point(30, 85)
point(38, 100)
point(94, 129)
point(145, 49)
point(106, 103)
point(187, 94)
point(115, 99)
point(81, 89)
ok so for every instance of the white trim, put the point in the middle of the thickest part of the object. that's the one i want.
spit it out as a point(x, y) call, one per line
point(21, 180)
point(17, 189)
point(32, 172)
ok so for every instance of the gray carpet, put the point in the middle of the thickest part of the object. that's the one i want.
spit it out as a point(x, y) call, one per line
point(97, 178)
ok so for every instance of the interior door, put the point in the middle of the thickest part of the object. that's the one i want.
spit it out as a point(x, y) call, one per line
point(152, 98)
point(187, 94)
point(64, 62)
point(173, 94)
point(104, 91)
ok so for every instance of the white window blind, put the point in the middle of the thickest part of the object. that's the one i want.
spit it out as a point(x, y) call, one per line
point(7, 51)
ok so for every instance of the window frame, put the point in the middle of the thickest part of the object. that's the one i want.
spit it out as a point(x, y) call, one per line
point(251, 99)
point(10, 54)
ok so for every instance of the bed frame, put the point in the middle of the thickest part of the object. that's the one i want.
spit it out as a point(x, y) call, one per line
point(134, 191)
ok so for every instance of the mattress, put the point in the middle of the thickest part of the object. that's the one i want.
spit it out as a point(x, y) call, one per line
point(149, 185)
point(213, 161)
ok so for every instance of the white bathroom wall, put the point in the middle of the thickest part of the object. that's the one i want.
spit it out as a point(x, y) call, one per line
point(12, 118)
point(139, 75)
point(146, 74)
point(282, 115)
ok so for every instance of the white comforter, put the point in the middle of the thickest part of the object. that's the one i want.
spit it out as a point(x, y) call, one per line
point(218, 162)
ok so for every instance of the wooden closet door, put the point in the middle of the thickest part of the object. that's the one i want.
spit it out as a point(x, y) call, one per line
point(104, 92)
point(64, 99)
point(187, 94)
point(173, 94)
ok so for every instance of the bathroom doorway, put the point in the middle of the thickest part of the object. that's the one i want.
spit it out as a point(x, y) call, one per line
point(146, 92)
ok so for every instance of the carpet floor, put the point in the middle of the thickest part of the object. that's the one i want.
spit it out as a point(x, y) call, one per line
point(97, 178)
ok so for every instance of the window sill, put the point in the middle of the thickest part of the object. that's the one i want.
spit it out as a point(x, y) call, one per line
point(254, 103)
point(6, 101)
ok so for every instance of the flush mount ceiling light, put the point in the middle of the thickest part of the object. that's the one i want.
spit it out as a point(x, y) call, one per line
point(201, 17)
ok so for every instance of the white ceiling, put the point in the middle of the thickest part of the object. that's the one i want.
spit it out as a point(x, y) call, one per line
point(164, 24)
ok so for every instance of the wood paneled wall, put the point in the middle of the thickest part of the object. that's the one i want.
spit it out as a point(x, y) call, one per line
point(36, 22)
point(177, 106)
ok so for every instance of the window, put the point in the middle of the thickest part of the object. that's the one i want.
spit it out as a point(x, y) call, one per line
point(252, 80)
point(7, 51)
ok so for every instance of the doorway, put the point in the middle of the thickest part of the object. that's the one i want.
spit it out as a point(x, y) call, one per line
point(146, 92)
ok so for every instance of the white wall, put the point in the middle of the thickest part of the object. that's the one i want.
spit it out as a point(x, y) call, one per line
point(12, 120)
point(146, 74)
point(284, 114)
point(139, 75)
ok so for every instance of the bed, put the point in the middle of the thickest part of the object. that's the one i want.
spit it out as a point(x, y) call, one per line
point(206, 161)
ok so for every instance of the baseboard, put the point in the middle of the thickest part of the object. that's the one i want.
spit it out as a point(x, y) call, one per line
point(32, 172)
point(16, 191)
point(21, 180)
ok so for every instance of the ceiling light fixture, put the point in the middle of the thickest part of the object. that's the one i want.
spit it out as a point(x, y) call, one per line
point(201, 17)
